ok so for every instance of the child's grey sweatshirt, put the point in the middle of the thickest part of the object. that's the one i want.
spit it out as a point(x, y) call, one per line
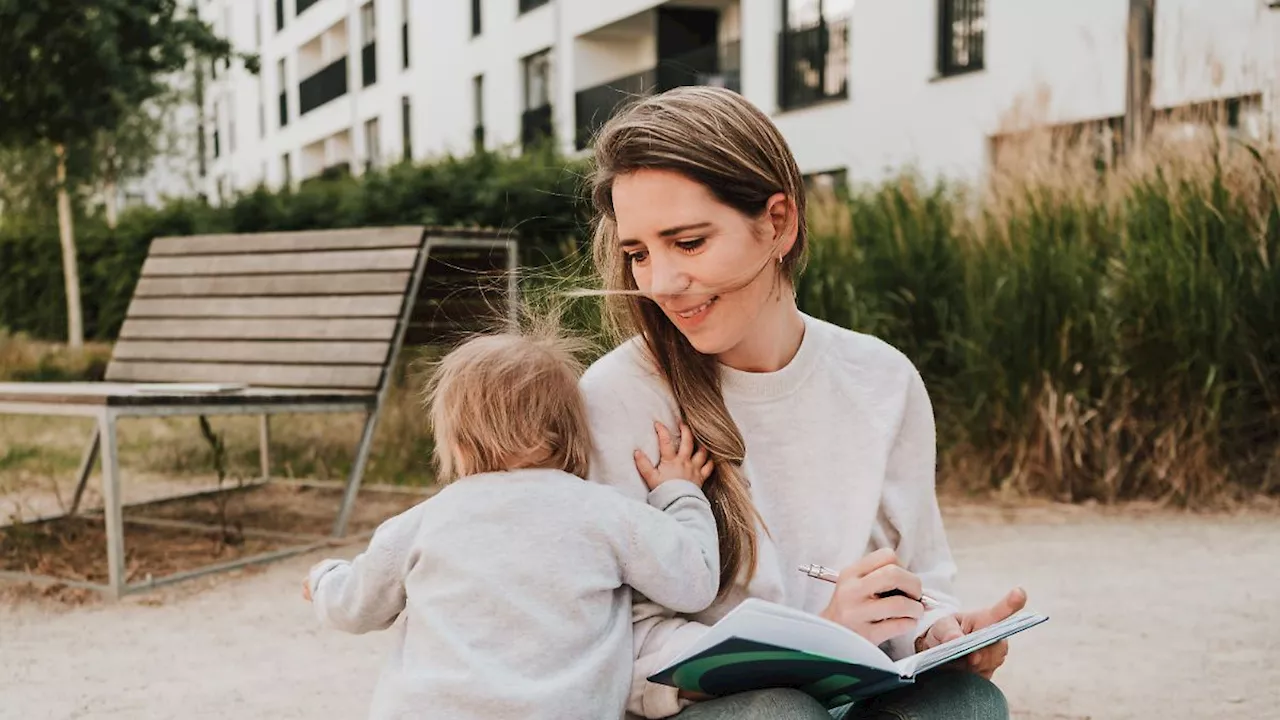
point(513, 588)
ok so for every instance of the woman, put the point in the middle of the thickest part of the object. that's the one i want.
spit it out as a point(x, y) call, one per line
point(823, 439)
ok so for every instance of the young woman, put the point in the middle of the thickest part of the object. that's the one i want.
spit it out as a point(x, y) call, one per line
point(823, 438)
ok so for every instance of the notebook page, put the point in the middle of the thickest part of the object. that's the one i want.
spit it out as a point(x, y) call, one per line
point(948, 651)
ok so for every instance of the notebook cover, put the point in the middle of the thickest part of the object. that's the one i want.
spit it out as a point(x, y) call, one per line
point(738, 665)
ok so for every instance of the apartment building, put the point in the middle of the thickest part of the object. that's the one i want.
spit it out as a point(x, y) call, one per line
point(859, 88)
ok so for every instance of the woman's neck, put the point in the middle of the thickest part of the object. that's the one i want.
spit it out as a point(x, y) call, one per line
point(773, 341)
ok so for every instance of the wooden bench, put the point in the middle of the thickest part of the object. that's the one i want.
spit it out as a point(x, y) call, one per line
point(303, 322)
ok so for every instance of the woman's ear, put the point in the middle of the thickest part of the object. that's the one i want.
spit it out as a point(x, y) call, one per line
point(780, 211)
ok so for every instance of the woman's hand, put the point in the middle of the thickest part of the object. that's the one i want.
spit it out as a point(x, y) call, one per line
point(856, 606)
point(986, 661)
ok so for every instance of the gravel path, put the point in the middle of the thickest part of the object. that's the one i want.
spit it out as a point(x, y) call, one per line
point(1154, 615)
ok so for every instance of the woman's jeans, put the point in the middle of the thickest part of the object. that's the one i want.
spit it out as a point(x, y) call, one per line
point(941, 694)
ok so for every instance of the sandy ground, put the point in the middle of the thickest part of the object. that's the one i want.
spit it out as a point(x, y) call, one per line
point(1154, 615)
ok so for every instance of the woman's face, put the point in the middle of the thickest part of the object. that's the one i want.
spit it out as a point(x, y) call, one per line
point(711, 269)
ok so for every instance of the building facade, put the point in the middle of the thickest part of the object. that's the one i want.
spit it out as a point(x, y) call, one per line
point(859, 89)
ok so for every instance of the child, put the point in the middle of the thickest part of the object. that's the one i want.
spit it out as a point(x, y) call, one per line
point(513, 580)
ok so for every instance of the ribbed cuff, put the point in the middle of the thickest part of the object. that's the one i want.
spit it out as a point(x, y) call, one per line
point(672, 490)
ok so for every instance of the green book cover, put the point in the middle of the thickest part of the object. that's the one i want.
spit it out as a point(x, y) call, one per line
point(737, 665)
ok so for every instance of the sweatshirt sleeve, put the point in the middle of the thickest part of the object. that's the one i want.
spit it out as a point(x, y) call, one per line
point(621, 423)
point(909, 520)
point(367, 593)
point(672, 555)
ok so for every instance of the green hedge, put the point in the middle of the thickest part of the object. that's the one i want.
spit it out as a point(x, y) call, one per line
point(537, 194)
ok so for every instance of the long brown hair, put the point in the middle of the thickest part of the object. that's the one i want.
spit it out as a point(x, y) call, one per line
point(718, 139)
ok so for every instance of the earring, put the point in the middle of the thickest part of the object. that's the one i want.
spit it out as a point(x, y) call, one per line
point(779, 259)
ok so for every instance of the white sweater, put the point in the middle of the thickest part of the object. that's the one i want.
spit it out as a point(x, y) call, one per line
point(840, 456)
point(512, 593)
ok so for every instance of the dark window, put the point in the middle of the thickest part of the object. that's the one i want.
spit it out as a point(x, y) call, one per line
point(475, 18)
point(279, 15)
point(527, 5)
point(828, 184)
point(369, 49)
point(813, 55)
point(283, 84)
point(303, 5)
point(326, 85)
point(217, 146)
point(477, 105)
point(961, 36)
point(404, 34)
point(406, 127)
point(535, 122)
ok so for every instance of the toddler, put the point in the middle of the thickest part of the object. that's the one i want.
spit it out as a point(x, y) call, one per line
point(512, 584)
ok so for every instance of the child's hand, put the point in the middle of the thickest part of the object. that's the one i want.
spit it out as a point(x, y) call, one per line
point(677, 459)
point(306, 589)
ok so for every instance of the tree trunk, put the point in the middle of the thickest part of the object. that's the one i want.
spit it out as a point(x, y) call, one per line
point(113, 203)
point(70, 272)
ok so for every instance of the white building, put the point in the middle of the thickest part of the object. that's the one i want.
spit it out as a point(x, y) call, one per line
point(858, 88)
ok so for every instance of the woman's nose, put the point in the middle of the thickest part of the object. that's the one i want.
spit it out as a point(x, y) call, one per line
point(667, 278)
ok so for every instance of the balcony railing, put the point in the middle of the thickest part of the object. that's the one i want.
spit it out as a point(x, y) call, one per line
point(716, 65)
point(527, 5)
point(535, 126)
point(369, 64)
point(302, 6)
point(813, 64)
point(325, 86)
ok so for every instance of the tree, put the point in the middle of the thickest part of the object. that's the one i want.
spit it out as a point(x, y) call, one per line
point(72, 71)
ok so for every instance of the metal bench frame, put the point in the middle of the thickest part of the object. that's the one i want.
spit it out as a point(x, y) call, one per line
point(109, 402)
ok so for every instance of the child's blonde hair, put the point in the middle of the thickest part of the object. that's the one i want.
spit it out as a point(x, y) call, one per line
point(508, 401)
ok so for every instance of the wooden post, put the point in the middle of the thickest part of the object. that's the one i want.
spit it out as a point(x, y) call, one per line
point(1138, 76)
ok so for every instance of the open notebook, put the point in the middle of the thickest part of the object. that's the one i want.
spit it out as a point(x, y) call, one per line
point(760, 644)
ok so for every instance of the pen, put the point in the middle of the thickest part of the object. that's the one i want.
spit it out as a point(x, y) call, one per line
point(826, 573)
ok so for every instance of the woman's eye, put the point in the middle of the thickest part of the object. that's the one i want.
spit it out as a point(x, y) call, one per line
point(638, 256)
point(691, 245)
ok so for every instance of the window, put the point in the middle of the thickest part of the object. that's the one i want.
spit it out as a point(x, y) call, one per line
point(527, 5)
point(372, 144)
point(283, 84)
point(406, 127)
point(961, 36)
point(369, 44)
point(475, 18)
point(286, 171)
point(217, 123)
point(535, 122)
point(404, 34)
point(477, 109)
point(279, 15)
point(827, 185)
point(303, 5)
point(813, 53)
point(537, 80)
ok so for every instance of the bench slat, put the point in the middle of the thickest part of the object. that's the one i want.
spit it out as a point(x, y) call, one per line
point(302, 352)
point(260, 285)
point(277, 263)
point(352, 377)
point(327, 307)
point(408, 237)
point(362, 329)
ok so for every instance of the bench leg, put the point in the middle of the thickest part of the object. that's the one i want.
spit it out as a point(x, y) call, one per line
point(264, 447)
point(86, 467)
point(357, 474)
point(112, 504)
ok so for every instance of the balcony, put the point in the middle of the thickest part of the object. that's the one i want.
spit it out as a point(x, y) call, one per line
point(302, 6)
point(813, 64)
point(369, 64)
point(716, 65)
point(527, 5)
point(327, 85)
point(535, 126)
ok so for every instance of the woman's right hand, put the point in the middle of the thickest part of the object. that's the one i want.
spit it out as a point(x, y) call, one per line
point(856, 606)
